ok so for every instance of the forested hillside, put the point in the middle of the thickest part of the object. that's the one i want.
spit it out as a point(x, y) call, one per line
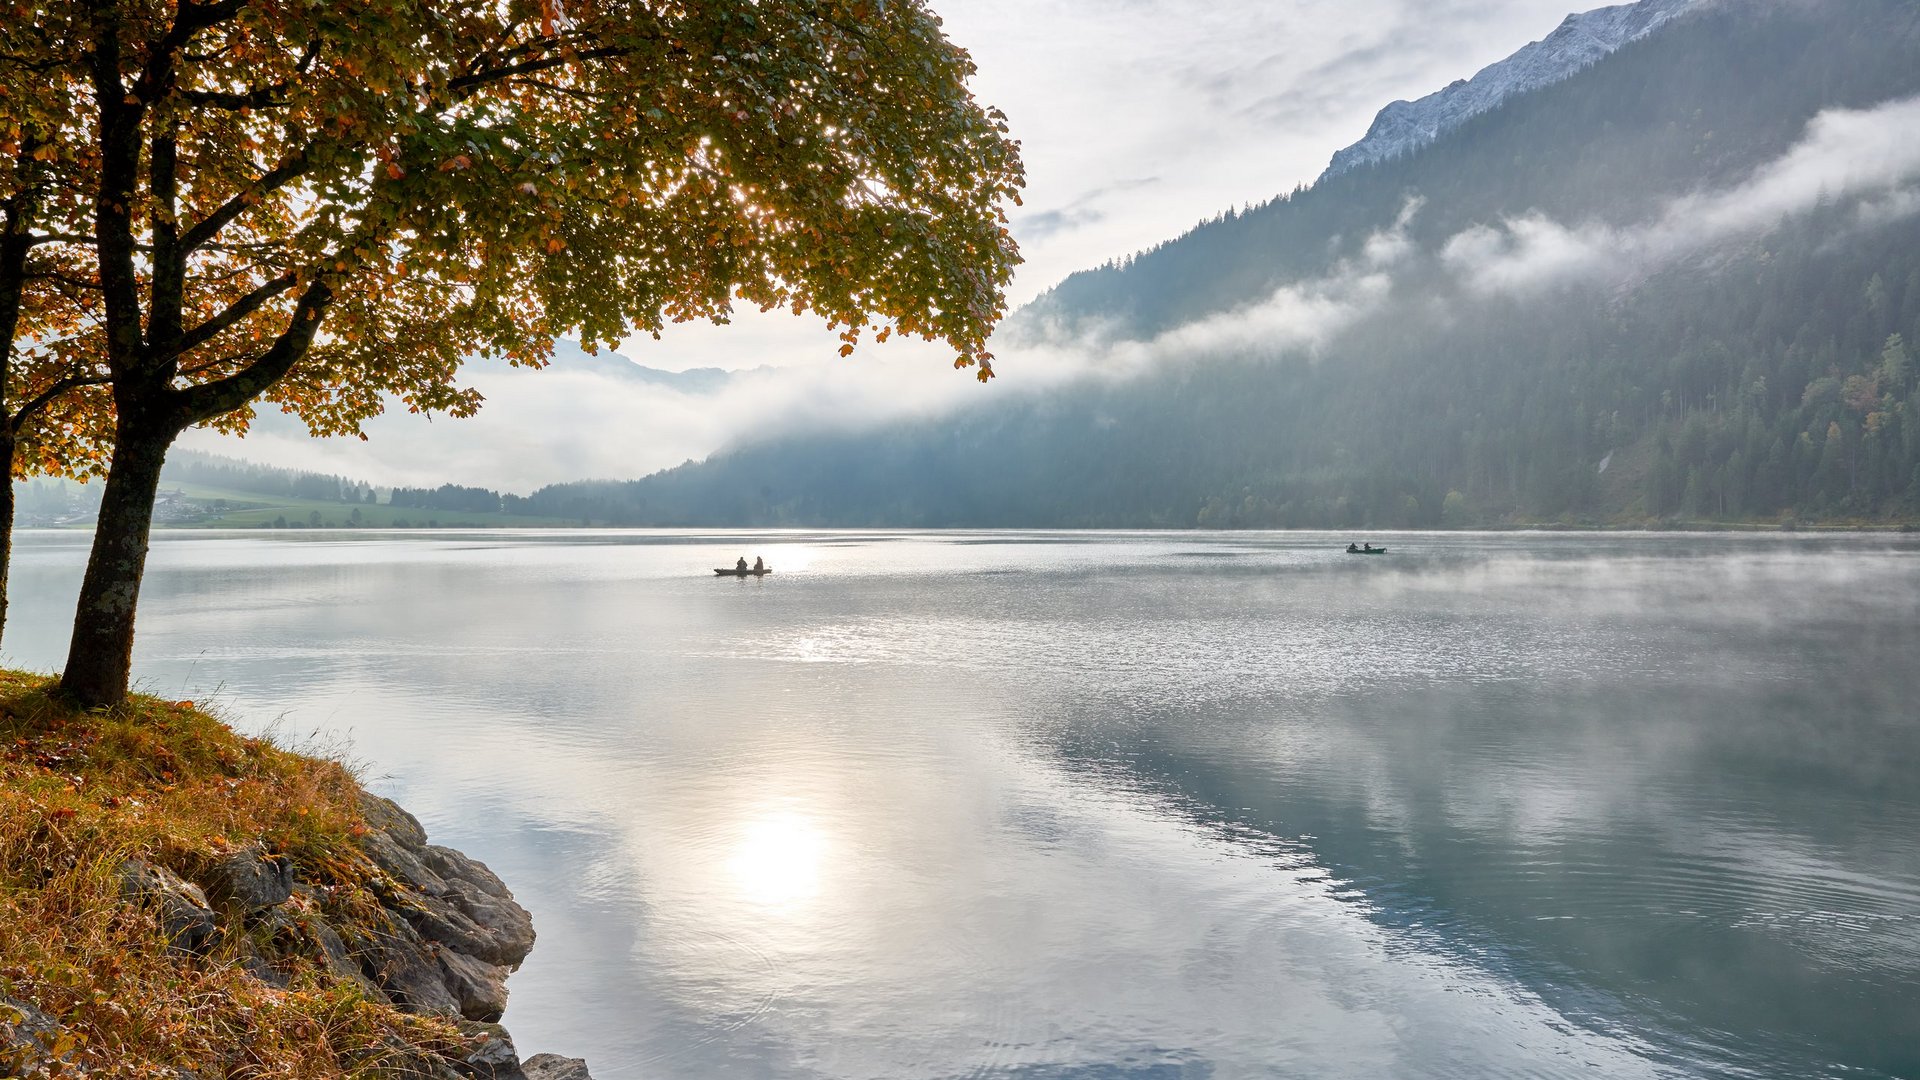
point(212, 470)
point(1698, 105)
point(1712, 368)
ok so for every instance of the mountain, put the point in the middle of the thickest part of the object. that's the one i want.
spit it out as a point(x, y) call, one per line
point(1681, 283)
point(569, 356)
point(1405, 126)
point(1671, 113)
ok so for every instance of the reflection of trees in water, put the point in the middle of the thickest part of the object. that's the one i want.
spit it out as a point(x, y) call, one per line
point(1697, 863)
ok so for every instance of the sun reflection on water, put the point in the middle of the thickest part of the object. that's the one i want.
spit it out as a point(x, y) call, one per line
point(776, 863)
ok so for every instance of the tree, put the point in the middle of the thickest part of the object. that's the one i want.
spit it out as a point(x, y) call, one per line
point(1895, 364)
point(320, 205)
point(46, 307)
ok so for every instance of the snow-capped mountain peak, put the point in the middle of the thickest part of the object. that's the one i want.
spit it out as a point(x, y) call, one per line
point(1580, 40)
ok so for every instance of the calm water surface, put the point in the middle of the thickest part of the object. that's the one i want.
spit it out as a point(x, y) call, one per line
point(1073, 806)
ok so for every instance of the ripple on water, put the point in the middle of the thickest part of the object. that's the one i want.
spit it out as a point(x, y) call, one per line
point(709, 1007)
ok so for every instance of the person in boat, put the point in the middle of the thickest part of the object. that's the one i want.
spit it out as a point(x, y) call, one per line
point(1368, 550)
point(741, 566)
point(759, 566)
point(1353, 549)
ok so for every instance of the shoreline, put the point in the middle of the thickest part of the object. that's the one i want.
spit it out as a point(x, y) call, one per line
point(167, 862)
point(1656, 528)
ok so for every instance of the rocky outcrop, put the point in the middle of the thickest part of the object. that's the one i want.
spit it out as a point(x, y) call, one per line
point(453, 935)
point(252, 879)
point(447, 935)
point(458, 933)
point(490, 1056)
point(1579, 42)
point(185, 917)
point(30, 1044)
point(555, 1067)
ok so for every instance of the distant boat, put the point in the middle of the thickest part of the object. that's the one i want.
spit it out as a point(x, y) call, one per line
point(731, 572)
point(1366, 551)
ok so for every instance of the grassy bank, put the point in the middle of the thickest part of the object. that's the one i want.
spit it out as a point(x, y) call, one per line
point(80, 795)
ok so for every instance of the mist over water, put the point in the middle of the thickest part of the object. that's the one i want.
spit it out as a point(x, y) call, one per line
point(1071, 805)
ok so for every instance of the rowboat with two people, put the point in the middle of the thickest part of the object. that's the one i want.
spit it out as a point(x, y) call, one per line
point(741, 569)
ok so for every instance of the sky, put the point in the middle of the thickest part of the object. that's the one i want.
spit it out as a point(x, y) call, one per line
point(1137, 119)
point(1140, 118)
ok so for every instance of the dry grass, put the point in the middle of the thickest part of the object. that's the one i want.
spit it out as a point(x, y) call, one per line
point(79, 794)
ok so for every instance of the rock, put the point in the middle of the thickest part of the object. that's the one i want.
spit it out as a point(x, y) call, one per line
point(476, 912)
point(28, 1038)
point(555, 1067)
point(497, 931)
point(452, 898)
point(456, 935)
point(185, 917)
point(1580, 41)
point(261, 968)
point(457, 866)
point(401, 861)
point(252, 879)
point(387, 816)
point(479, 988)
point(405, 966)
point(490, 1056)
point(325, 945)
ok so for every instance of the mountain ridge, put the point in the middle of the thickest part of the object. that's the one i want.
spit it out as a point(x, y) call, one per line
point(1581, 39)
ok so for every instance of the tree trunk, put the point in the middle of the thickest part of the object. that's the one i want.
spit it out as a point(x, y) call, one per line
point(15, 244)
point(6, 521)
point(100, 659)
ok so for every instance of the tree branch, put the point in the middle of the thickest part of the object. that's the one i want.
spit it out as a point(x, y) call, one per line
point(208, 400)
point(15, 244)
point(209, 365)
point(290, 169)
point(467, 83)
point(262, 98)
point(61, 238)
point(234, 312)
point(167, 285)
point(68, 280)
point(72, 382)
point(156, 79)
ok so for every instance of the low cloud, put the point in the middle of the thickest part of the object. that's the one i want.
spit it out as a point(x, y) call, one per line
point(1297, 315)
point(1533, 252)
point(1301, 315)
point(541, 427)
point(1869, 155)
point(593, 422)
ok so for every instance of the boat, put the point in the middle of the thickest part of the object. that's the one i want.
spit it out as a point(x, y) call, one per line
point(733, 572)
point(1369, 551)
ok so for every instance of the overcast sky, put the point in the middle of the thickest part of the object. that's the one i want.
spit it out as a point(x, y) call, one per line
point(1138, 118)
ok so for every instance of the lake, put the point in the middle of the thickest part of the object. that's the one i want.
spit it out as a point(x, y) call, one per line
point(1065, 806)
